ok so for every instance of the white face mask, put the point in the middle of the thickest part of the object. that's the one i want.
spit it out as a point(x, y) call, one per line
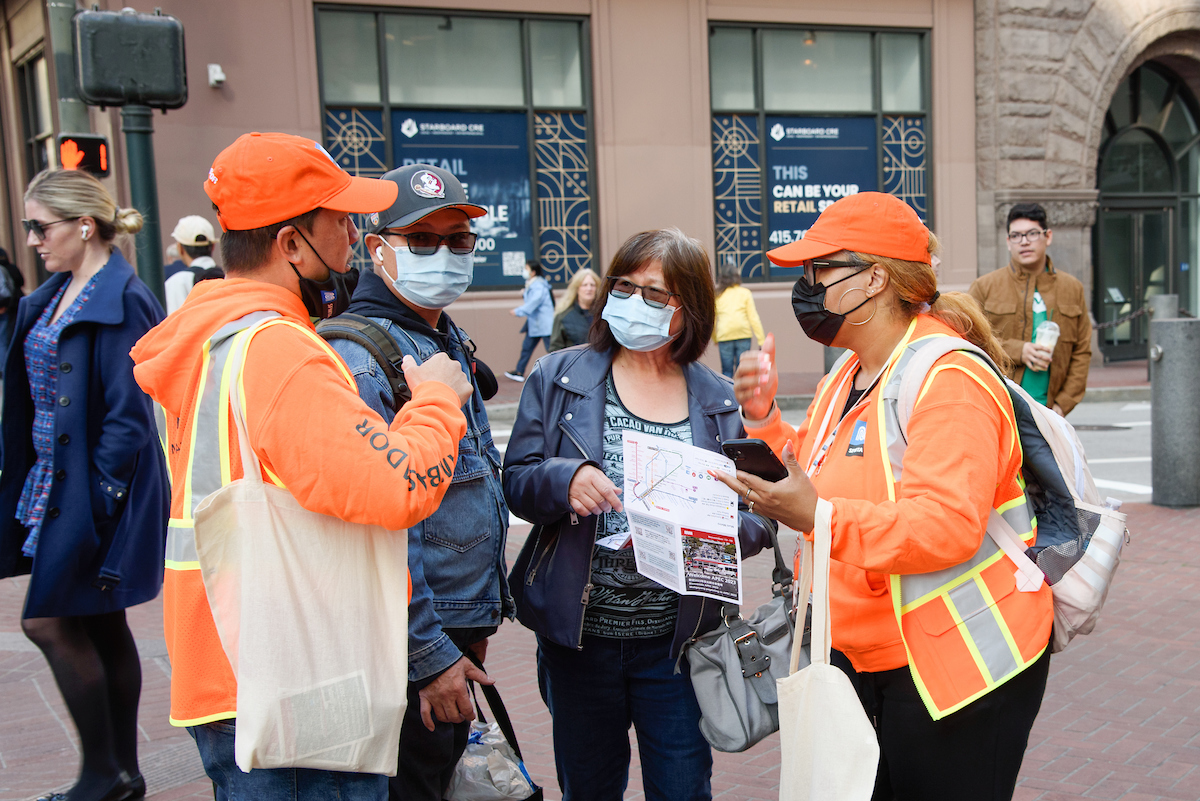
point(636, 324)
point(431, 282)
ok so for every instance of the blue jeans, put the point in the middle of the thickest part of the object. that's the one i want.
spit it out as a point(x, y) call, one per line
point(527, 348)
point(731, 353)
point(595, 694)
point(215, 742)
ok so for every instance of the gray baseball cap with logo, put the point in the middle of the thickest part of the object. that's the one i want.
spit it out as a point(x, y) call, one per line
point(424, 189)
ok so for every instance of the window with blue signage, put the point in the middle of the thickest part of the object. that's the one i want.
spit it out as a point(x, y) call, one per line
point(804, 116)
point(501, 101)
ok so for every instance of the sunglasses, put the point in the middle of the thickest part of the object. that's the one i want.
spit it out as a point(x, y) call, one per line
point(812, 265)
point(425, 243)
point(658, 298)
point(38, 228)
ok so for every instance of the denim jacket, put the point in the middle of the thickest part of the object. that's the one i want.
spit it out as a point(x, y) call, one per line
point(559, 429)
point(456, 555)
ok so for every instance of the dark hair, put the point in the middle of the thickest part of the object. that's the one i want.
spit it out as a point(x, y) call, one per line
point(1027, 211)
point(195, 251)
point(728, 274)
point(535, 267)
point(686, 271)
point(245, 251)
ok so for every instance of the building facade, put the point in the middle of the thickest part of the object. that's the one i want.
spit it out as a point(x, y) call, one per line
point(580, 122)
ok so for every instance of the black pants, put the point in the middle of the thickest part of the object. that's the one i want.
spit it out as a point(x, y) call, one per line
point(427, 758)
point(974, 753)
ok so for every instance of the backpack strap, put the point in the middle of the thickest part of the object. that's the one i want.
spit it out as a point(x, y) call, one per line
point(378, 342)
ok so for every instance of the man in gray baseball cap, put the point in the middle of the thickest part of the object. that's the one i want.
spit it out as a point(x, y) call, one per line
point(422, 251)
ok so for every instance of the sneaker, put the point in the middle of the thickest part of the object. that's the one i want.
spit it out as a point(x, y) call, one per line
point(514, 377)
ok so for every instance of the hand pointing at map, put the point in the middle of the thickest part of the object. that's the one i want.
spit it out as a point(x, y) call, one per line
point(591, 492)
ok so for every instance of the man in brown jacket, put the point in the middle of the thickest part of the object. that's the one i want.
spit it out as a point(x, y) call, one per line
point(1027, 291)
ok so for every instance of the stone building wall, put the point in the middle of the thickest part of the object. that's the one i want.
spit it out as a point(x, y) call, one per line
point(1046, 71)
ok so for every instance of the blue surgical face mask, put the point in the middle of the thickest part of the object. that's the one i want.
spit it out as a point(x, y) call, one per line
point(636, 324)
point(431, 282)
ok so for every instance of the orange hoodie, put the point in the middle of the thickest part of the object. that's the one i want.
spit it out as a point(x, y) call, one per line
point(963, 458)
point(313, 435)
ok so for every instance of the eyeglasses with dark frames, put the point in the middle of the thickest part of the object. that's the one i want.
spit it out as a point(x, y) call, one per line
point(426, 243)
point(1026, 236)
point(812, 265)
point(38, 228)
point(623, 288)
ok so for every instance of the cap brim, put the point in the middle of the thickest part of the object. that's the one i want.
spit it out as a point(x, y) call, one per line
point(470, 209)
point(363, 196)
point(794, 254)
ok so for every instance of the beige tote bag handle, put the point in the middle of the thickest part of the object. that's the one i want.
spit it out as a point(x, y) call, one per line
point(814, 572)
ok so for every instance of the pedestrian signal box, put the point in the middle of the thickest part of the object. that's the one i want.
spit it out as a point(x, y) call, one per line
point(88, 152)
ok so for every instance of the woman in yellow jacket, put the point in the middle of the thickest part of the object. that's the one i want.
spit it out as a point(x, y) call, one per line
point(737, 318)
point(948, 655)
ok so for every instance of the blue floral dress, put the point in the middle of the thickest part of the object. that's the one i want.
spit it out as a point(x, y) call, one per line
point(41, 363)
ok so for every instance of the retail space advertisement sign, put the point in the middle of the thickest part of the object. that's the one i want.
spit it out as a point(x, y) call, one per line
point(489, 153)
point(811, 163)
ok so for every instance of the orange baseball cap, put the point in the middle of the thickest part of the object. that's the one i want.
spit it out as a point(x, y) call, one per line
point(868, 222)
point(266, 178)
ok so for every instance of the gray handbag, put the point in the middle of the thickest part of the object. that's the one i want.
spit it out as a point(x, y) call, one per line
point(734, 667)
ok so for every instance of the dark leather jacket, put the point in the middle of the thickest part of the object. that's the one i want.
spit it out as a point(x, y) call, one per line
point(559, 428)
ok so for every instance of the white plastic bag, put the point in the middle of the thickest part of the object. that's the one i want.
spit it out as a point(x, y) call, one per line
point(312, 612)
point(828, 748)
point(489, 770)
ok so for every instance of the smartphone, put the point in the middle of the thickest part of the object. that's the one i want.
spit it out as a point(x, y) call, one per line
point(755, 456)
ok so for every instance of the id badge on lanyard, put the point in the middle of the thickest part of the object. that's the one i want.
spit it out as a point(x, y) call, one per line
point(823, 441)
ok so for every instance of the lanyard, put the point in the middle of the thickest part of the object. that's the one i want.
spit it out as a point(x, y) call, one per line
point(817, 457)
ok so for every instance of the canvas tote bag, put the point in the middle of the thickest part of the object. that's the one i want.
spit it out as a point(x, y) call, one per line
point(312, 612)
point(827, 747)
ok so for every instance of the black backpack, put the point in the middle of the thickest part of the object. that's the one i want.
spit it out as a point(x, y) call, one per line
point(378, 342)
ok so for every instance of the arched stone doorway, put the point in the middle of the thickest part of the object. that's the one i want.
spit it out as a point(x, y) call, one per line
point(1148, 176)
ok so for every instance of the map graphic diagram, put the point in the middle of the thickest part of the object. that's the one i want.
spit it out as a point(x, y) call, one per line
point(660, 478)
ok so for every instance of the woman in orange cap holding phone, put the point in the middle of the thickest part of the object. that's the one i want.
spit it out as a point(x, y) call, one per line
point(948, 655)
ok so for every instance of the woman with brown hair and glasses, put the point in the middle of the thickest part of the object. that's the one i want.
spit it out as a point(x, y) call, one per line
point(609, 638)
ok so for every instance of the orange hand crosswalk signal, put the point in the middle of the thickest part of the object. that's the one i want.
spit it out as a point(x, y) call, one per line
point(87, 152)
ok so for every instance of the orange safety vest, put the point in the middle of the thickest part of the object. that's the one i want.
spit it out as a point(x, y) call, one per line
point(203, 687)
point(966, 629)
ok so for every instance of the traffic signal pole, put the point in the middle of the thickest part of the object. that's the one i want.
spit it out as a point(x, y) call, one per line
point(72, 112)
point(137, 123)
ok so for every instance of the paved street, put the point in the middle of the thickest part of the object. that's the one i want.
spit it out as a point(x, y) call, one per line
point(1121, 718)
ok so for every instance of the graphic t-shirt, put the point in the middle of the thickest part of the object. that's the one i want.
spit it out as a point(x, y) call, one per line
point(1037, 382)
point(624, 604)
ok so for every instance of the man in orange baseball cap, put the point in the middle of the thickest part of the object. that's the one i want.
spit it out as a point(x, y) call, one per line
point(285, 207)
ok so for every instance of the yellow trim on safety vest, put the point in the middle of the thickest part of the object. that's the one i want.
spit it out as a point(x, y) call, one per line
point(973, 575)
point(201, 721)
point(171, 564)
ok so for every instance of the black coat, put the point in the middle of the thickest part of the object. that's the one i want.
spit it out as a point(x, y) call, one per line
point(560, 428)
point(101, 544)
point(570, 328)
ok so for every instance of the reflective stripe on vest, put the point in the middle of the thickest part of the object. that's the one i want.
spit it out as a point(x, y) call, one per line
point(207, 468)
point(208, 453)
point(961, 590)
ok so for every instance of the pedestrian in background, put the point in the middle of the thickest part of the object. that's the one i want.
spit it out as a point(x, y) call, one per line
point(608, 637)
point(84, 489)
point(948, 656)
point(737, 318)
point(1024, 294)
point(573, 314)
point(196, 239)
point(422, 251)
point(538, 311)
point(11, 282)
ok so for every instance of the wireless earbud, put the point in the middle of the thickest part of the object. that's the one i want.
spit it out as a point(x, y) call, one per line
point(84, 231)
point(379, 252)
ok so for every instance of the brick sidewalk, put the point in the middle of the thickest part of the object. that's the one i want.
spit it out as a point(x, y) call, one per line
point(1121, 717)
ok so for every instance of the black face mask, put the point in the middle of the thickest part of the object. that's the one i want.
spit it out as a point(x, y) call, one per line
point(808, 304)
point(328, 298)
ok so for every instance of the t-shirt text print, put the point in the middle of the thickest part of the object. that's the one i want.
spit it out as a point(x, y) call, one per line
point(625, 604)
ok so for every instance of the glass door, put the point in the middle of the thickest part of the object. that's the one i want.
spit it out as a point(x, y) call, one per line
point(1135, 263)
